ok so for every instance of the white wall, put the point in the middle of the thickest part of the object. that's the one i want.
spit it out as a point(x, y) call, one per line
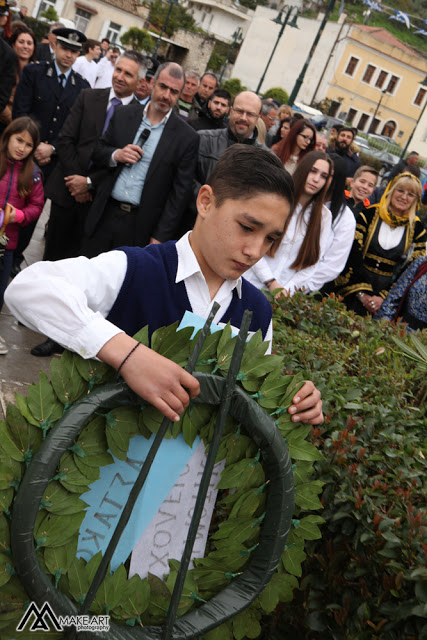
point(220, 19)
point(289, 57)
point(419, 141)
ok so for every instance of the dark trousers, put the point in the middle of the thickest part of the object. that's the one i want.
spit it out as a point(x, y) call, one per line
point(65, 231)
point(6, 259)
point(117, 228)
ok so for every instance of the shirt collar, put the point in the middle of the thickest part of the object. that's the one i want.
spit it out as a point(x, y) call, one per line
point(58, 71)
point(188, 265)
point(126, 100)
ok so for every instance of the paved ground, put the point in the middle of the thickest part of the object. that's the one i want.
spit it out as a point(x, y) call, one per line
point(19, 368)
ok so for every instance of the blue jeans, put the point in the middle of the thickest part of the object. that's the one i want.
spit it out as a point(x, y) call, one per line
point(5, 266)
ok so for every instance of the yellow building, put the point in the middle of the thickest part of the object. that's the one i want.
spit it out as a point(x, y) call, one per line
point(376, 84)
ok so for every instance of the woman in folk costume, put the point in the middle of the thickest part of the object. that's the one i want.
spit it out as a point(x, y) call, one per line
point(388, 235)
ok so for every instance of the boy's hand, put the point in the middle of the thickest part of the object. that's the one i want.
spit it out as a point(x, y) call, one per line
point(159, 381)
point(307, 405)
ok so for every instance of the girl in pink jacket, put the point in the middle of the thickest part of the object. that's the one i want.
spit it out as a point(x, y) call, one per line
point(21, 191)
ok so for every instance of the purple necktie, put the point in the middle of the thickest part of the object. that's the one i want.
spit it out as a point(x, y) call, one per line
point(114, 103)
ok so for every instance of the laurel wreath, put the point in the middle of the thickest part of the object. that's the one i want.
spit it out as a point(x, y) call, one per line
point(240, 509)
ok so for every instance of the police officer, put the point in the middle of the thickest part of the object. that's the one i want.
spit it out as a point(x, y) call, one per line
point(47, 91)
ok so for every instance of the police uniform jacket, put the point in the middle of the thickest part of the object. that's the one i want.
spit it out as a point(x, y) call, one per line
point(40, 96)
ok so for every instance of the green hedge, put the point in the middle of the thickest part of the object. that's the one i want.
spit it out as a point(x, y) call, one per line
point(366, 578)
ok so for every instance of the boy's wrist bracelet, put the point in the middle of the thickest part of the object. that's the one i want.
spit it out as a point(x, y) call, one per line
point(128, 356)
point(268, 282)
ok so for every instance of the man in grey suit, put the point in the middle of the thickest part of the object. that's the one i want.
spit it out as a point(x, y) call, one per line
point(148, 157)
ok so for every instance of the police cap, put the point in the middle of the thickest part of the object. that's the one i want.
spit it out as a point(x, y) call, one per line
point(69, 38)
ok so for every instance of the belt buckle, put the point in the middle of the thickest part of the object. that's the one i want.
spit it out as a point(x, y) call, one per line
point(124, 206)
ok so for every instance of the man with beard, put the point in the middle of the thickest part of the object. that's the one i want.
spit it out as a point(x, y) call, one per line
point(241, 128)
point(213, 115)
point(341, 146)
point(146, 161)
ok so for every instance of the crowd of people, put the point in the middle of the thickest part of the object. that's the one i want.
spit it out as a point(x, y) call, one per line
point(123, 147)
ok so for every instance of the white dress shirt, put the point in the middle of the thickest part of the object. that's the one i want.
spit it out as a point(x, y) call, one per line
point(104, 74)
point(69, 300)
point(279, 267)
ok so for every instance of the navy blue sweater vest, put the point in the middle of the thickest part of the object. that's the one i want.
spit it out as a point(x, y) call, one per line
point(150, 296)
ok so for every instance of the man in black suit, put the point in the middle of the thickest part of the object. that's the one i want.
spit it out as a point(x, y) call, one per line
point(69, 186)
point(143, 192)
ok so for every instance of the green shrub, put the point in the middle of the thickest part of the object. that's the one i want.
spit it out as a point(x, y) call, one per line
point(234, 86)
point(139, 39)
point(277, 94)
point(366, 578)
point(39, 27)
point(50, 14)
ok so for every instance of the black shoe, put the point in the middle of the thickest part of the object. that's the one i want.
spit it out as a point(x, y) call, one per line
point(47, 348)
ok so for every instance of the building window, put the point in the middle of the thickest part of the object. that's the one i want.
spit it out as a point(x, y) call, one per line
point(351, 115)
point(363, 121)
point(44, 6)
point(381, 79)
point(351, 67)
point(392, 84)
point(374, 125)
point(113, 32)
point(369, 72)
point(419, 98)
point(333, 109)
point(82, 19)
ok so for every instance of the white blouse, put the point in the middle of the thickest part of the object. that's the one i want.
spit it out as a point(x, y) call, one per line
point(279, 267)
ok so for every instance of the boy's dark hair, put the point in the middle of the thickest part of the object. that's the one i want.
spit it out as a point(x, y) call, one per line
point(90, 44)
point(221, 93)
point(244, 171)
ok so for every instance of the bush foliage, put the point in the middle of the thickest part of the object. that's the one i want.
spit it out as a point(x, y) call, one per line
point(366, 577)
point(277, 93)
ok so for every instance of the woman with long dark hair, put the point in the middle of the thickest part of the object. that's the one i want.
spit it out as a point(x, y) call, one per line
point(293, 258)
point(341, 237)
point(23, 42)
point(388, 235)
point(300, 141)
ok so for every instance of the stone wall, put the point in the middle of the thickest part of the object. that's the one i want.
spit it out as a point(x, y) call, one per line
point(198, 49)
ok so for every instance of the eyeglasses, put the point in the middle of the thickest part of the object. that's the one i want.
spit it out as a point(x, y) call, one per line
point(271, 118)
point(242, 112)
point(402, 192)
point(308, 138)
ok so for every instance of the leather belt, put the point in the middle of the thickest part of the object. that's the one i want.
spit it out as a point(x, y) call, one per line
point(124, 206)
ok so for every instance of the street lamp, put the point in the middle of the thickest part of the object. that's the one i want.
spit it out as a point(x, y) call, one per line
point(300, 78)
point(278, 20)
point(371, 130)
point(237, 38)
point(408, 142)
point(164, 25)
